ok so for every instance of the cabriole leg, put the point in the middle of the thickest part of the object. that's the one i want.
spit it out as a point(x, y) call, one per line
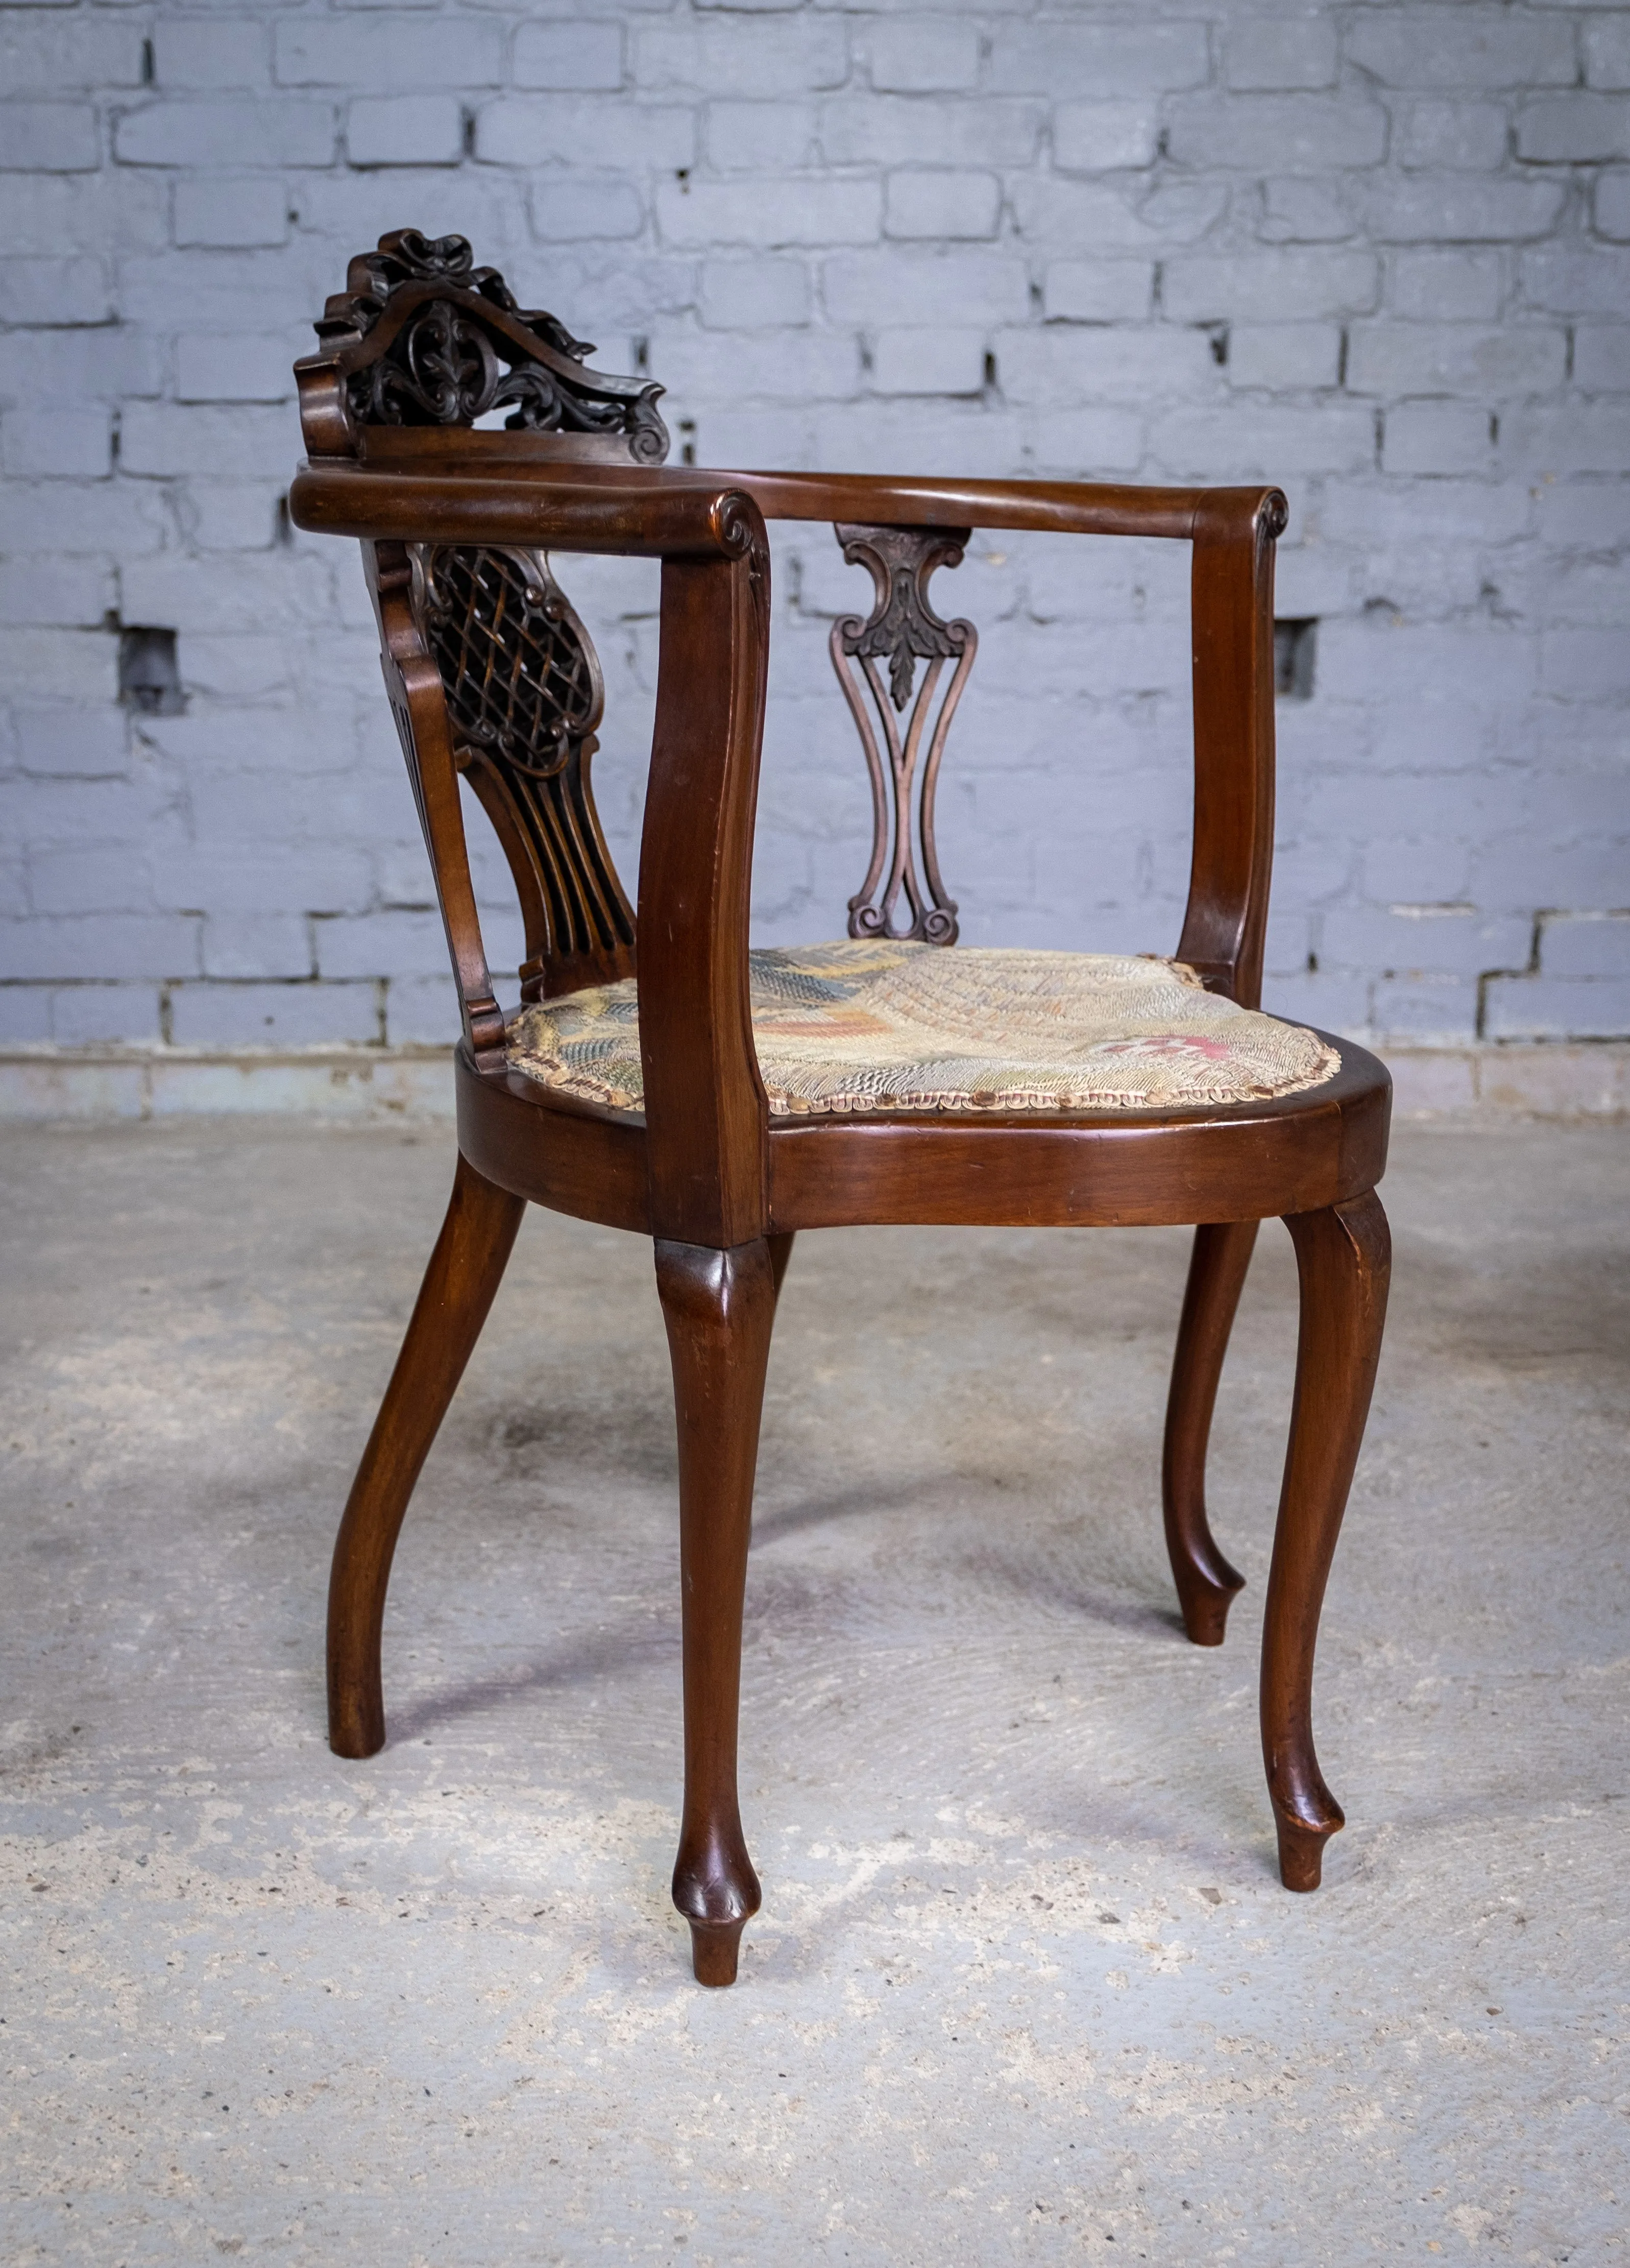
point(466, 1270)
point(718, 1308)
point(1216, 1274)
point(1343, 1258)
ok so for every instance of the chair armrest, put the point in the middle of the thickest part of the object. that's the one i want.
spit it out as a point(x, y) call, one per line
point(1225, 923)
point(707, 1115)
point(1044, 507)
point(615, 510)
point(1233, 532)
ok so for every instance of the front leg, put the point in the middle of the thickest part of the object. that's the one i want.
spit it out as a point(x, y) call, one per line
point(1343, 1258)
point(718, 1306)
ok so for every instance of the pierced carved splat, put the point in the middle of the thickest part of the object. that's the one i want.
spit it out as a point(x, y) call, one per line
point(523, 693)
point(902, 629)
point(421, 336)
point(422, 343)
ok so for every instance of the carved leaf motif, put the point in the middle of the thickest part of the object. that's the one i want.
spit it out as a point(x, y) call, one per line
point(902, 625)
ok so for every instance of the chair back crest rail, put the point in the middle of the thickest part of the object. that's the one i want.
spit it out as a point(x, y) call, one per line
point(421, 338)
point(491, 674)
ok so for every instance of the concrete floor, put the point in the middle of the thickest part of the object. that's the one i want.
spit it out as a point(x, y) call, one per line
point(1025, 1986)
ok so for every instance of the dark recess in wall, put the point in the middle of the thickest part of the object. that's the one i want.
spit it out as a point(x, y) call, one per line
point(1293, 658)
point(150, 677)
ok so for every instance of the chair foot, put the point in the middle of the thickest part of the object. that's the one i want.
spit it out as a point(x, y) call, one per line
point(357, 1729)
point(1205, 1583)
point(714, 1946)
point(1302, 1849)
point(1205, 1603)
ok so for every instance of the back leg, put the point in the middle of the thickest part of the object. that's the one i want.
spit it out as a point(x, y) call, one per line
point(466, 1270)
point(1217, 1275)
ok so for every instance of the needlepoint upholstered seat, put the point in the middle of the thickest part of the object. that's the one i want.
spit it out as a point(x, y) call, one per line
point(897, 1025)
point(659, 1076)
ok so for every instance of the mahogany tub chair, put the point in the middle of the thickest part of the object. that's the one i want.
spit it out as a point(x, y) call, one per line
point(660, 1078)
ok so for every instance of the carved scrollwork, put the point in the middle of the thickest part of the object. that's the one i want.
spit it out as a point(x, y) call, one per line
point(524, 693)
point(902, 629)
point(422, 336)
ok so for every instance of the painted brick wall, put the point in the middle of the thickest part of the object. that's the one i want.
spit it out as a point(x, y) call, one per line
point(1379, 254)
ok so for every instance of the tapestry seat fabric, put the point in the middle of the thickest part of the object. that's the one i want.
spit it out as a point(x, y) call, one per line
point(859, 1026)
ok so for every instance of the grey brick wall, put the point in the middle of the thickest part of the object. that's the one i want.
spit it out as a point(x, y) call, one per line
point(1380, 254)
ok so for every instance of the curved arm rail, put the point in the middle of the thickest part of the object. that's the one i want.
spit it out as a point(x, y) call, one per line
point(493, 488)
point(569, 508)
point(488, 494)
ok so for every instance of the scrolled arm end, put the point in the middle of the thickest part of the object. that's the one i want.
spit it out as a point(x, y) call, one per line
point(736, 522)
point(467, 498)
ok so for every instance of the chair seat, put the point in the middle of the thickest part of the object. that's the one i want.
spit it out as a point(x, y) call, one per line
point(860, 1026)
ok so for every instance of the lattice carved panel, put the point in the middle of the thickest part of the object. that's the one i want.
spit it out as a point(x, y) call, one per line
point(525, 695)
point(903, 738)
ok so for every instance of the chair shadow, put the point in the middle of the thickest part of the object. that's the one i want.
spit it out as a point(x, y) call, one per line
point(1118, 1612)
point(1070, 1600)
point(577, 1663)
point(847, 1504)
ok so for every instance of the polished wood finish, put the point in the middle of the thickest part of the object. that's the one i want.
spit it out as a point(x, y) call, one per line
point(454, 476)
point(718, 1306)
point(781, 1255)
point(1117, 1170)
point(1232, 610)
point(1216, 1276)
point(1030, 1170)
point(705, 1170)
point(706, 1111)
point(568, 1156)
point(465, 1273)
point(1344, 1257)
point(412, 686)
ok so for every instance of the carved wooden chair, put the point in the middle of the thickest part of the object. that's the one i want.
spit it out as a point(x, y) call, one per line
point(658, 1077)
